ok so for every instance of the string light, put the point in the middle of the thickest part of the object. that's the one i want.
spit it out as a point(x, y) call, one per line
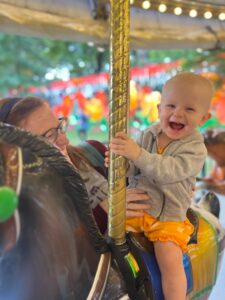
point(193, 13)
point(192, 9)
point(146, 4)
point(162, 8)
point(178, 10)
point(208, 15)
point(221, 16)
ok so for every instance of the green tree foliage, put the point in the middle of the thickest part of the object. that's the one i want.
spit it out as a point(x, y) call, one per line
point(208, 61)
point(24, 61)
point(141, 57)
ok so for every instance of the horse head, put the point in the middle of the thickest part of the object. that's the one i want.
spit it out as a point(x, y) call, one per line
point(215, 144)
point(49, 246)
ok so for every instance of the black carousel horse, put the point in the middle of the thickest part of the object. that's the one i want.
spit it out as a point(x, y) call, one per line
point(51, 248)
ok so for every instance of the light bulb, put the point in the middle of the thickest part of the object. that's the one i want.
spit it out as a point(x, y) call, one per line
point(146, 4)
point(221, 16)
point(193, 13)
point(162, 8)
point(178, 11)
point(208, 15)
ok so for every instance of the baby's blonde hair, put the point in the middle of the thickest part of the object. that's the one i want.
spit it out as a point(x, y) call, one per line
point(192, 80)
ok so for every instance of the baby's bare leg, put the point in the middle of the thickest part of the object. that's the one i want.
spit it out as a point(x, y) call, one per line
point(170, 260)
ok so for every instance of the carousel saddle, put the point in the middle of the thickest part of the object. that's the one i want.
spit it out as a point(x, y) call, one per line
point(147, 283)
point(143, 251)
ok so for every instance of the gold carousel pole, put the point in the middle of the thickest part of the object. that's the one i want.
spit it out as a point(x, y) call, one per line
point(118, 119)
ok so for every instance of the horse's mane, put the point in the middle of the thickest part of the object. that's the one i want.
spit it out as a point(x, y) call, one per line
point(74, 185)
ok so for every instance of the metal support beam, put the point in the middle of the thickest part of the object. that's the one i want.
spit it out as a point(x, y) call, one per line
point(119, 108)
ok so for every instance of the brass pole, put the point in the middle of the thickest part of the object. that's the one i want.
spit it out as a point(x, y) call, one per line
point(118, 118)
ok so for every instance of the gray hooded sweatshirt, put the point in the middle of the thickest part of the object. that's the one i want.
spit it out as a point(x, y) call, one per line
point(168, 178)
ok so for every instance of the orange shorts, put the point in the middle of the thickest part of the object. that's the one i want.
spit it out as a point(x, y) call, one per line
point(164, 231)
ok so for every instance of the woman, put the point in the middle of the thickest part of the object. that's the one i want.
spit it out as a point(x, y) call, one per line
point(35, 115)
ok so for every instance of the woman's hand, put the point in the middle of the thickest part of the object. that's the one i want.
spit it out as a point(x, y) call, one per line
point(136, 202)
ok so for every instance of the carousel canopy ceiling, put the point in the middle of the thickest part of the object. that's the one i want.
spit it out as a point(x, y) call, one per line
point(88, 20)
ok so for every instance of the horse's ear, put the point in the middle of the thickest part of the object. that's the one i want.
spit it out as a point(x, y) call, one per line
point(9, 233)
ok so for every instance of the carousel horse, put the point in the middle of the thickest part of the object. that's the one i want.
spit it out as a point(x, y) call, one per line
point(215, 144)
point(51, 248)
point(215, 181)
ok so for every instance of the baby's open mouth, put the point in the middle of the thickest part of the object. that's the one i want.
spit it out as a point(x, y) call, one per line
point(176, 126)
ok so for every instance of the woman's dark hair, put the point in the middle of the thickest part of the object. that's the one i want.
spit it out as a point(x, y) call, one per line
point(13, 110)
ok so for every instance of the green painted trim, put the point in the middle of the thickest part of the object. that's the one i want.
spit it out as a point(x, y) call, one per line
point(202, 292)
point(130, 263)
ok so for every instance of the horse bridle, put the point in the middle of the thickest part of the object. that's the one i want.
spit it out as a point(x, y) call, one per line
point(13, 163)
point(101, 277)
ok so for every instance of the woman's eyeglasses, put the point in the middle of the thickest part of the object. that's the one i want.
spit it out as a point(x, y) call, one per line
point(52, 133)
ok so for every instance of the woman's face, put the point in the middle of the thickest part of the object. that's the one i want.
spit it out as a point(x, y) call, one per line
point(40, 121)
